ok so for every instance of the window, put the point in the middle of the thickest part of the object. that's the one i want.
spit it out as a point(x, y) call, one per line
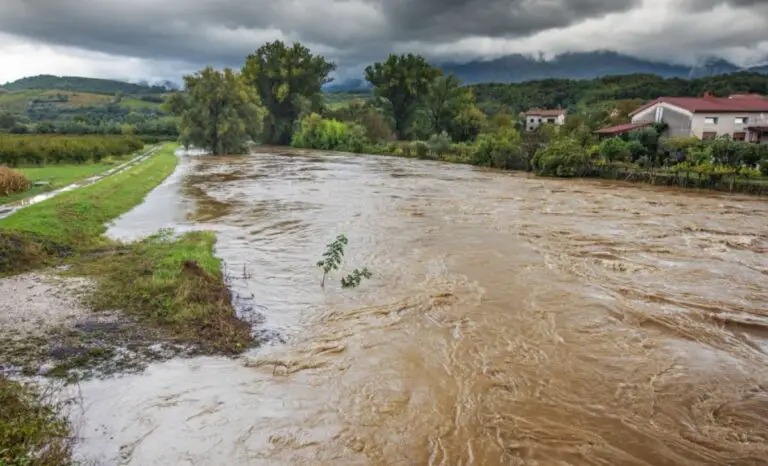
point(530, 128)
point(659, 114)
point(709, 135)
point(533, 120)
point(540, 120)
point(742, 120)
point(739, 136)
point(710, 120)
point(550, 120)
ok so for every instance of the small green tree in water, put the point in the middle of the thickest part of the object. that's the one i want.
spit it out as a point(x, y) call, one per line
point(353, 280)
point(334, 253)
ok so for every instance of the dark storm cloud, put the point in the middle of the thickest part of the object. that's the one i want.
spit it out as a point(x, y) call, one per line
point(437, 20)
point(224, 31)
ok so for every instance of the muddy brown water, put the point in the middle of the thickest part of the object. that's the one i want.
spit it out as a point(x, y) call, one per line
point(511, 320)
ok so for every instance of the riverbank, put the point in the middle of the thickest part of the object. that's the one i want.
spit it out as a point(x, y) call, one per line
point(150, 300)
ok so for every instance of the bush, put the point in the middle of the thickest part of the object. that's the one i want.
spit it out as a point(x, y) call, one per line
point(563, 157)
point(12, 181)
point(499, 151)
point(316, 132)
point(637, 151)
point(440, 144)
point(615, 150)
point(421, 149)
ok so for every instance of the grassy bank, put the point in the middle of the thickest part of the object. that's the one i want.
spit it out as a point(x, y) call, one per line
point(167, 289)
point(33, 430)
point(76, 220)
point(174, 284)
point(58, 176)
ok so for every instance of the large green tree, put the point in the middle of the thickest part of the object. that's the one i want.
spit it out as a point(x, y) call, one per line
point(289, 81)
point(445, 99)
point(218, 111)
point(403, 82)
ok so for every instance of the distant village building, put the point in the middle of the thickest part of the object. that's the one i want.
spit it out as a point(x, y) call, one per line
point(536, 117)
point(744, 117)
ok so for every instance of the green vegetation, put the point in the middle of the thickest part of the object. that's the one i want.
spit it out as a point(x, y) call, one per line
point(74, 83)
point(289, 82)
point(334, 252)
point(174, 284)
point(219, 112)
point(58, 176)
point(598, 95)
point(38, 150)
point(332, 257)
point(353, 280)
point(33, 429)
point(315, 132)
point(401, 83)
point(76, 219)
point(70, 105)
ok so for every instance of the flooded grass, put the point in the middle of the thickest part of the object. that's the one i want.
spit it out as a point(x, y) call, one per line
point(176, 286)
point(33, 430)
point(76, 219)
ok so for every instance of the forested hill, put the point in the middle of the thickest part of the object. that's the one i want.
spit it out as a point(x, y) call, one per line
point(78, 84)
point(578, 94)
point(584, 65)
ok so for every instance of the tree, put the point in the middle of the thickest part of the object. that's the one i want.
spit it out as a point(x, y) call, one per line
point(445, 99)
point(219, 112)
point(7, 120)
point(289, 81)
point(402, 82)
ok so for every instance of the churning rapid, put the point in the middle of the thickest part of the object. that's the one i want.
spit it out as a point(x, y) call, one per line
point(511, 320)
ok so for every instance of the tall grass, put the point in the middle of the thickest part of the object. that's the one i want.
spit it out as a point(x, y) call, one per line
point(12, 181)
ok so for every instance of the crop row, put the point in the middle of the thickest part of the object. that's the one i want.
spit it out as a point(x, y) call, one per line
point(41, 149)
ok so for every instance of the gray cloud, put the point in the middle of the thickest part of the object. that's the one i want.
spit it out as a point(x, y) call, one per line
point(438, 20)
point(354, 32)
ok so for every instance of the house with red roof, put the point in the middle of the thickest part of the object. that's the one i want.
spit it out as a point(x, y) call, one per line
point(743, 117)
point(536, 117)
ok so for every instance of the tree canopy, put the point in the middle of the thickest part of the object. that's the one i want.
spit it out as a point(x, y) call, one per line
point(219, 112)
point(402, 81)
point(289, 81)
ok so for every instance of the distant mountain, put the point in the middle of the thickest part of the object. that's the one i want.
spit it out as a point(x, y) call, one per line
point(78, 84)
point(347, 85)
point(583, 65)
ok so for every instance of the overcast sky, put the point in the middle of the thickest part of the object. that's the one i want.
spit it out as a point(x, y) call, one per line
point(162, 39)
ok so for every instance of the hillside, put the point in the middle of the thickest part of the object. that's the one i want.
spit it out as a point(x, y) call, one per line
point(519, 68)
point(577, 94)
point(84, 105)
point(79, 84)
point(587, 65)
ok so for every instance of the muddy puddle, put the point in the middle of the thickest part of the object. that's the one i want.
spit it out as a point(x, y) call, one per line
point(510, 320)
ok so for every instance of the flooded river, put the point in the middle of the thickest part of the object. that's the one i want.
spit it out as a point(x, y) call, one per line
point(511, 320)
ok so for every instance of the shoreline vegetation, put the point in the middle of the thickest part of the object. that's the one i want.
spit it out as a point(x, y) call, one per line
point(417, 110)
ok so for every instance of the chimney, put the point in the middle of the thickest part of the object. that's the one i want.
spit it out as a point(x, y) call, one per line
point(709, 95)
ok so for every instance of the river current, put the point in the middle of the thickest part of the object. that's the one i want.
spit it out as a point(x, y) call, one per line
point(511, 320)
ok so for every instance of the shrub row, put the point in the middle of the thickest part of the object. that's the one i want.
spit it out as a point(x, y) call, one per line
point(41, 149)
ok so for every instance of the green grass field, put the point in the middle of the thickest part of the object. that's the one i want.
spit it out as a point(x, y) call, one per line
point(77, 218)
point(58, 176)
